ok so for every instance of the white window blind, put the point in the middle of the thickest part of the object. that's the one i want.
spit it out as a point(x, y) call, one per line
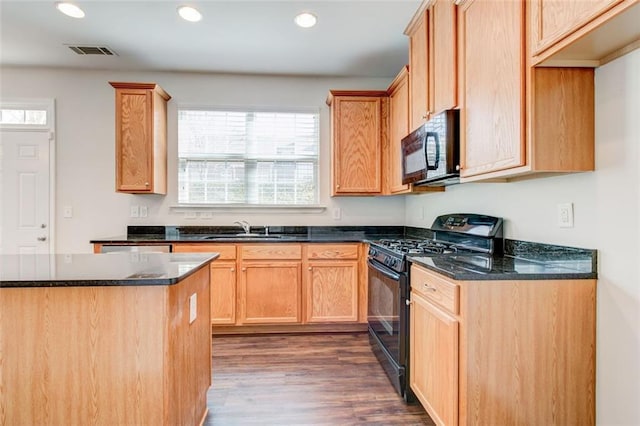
point(248, 157)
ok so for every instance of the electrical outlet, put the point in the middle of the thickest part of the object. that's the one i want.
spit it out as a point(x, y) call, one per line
point(134, 211)
point(206, 215)
point(143, 211)
point(336, 213)
point(190, 215)
point(67, 212)
point(565, 215)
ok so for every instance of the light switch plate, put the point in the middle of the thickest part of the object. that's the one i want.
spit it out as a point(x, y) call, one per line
point(337, 213)
point(193, 307)
point(134, 211)
point(143, 211)
point(565, 215)
point(67, 212)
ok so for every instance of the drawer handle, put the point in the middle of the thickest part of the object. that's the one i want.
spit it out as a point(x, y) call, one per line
point(428, 287)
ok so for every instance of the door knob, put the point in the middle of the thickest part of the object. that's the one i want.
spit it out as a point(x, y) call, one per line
point(42, 238)
point(43, 226)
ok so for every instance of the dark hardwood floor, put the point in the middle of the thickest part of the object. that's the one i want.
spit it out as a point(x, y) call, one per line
point(310, 379)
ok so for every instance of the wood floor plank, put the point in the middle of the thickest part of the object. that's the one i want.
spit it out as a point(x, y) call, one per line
point(309, 379)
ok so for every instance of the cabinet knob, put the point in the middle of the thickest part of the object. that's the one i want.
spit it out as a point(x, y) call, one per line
point(233, 269)
point(42, 238)
point(146, 184)
point(244, 269)
point(310, 268)
point(338, 186)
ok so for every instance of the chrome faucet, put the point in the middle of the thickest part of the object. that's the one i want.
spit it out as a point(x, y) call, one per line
point(245, 226)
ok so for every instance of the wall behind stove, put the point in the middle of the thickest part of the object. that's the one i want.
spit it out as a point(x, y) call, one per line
point(607, 218)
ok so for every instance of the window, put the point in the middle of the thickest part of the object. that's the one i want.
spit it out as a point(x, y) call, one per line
point(23, 116)
point(247, 157)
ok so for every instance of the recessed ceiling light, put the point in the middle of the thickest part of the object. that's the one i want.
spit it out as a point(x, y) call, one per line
point(70, 9)
point(306, 20)
point(189, 13)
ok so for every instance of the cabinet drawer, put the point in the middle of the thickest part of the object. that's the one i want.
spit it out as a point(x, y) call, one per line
point(332, 251)
point(271, 251)
point(434, 288)
point(227, 251)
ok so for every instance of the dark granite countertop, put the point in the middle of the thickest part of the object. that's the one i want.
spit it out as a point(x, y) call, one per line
point(113, 269)
point(277, 234)
point(522, 260)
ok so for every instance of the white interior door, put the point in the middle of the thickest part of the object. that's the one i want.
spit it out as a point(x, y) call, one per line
point(24, 192)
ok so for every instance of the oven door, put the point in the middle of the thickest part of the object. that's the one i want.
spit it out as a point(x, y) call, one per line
point(388, 322)
point(384, 307)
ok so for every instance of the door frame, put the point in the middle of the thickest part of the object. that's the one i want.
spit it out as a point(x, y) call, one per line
point(50, 127)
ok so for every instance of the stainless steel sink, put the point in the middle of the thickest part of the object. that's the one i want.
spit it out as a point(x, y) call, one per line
point(243, 236)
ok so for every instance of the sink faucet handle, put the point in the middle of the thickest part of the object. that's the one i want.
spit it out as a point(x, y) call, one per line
point(245, 225)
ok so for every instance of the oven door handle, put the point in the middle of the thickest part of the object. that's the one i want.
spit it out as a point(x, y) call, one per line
point(389, 274)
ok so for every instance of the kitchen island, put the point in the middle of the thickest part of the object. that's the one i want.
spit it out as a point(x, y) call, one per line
point(105, 339)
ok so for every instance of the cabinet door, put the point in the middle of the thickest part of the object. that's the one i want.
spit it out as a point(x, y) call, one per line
point(332, 291)
point(492, 76)
point(134, 140)
point(418, 68)
point(399, 128)
point(443, 76)
point(270, 292)
point(223, 292)
point(433, 372)
point(552, 20)
point(357, 145)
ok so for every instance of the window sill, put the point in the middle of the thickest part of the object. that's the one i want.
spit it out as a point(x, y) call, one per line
point(190, 209)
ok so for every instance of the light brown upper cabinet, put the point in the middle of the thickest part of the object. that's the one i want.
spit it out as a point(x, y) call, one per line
point(359, 124)
point(141, 138)
point(516, 119)
point(418, 32)
point(582, 32)
point(398, 129)
point(443, 78)
point(432, 60)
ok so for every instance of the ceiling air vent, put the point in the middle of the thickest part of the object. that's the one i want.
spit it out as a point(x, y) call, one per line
point(92, 50)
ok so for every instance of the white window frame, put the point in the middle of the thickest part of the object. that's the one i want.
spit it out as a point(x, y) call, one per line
point(191, 209)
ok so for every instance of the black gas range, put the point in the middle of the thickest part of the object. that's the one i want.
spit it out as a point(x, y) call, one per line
point(388, 283)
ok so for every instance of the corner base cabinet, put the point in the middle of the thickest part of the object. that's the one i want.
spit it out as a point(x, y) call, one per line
point(503, 352)
point(141, 138)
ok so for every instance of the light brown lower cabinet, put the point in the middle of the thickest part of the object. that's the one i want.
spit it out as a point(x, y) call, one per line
point(270, 284)
point(434, 352)
point(503, 352)
point(274, 284)
point(270, 292)
point(223, 279)
point(223, 299)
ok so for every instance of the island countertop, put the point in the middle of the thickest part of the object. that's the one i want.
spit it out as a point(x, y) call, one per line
point(113, 269)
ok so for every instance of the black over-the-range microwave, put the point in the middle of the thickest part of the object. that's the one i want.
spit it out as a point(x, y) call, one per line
point(431, 153)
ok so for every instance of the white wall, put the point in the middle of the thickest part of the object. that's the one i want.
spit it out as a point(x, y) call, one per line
point(85, 122)
point(607, 218)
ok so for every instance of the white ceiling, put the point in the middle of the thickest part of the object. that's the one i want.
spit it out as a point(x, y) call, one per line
point(352, 37)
